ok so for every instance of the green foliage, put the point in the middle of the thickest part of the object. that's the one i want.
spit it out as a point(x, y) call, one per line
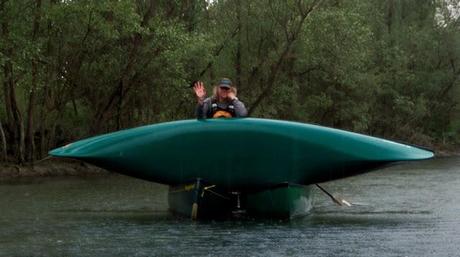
point(387, 68)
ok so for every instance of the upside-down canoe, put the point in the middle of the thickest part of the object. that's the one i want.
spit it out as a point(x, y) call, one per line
point(239, 155)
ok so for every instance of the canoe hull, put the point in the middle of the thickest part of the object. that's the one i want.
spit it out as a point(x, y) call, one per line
point(286, 201)
point(239, 153)
point(204, 201)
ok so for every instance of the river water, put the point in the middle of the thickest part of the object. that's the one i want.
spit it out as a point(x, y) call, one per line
point(407, 210)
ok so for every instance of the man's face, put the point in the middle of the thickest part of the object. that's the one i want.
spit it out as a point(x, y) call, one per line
point(223, 92)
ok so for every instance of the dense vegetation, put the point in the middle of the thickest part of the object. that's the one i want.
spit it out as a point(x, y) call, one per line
point(75, 68)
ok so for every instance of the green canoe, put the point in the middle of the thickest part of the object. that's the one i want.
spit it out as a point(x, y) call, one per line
point(239, 154)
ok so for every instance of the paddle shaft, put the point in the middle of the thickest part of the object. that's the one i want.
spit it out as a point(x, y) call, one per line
point(329, 194)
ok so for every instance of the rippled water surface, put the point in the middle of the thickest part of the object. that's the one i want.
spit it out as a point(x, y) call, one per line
point(407, 210)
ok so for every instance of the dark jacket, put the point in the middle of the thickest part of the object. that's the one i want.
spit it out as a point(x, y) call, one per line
point(205, 110)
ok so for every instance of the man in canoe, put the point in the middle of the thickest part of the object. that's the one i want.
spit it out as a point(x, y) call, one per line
point(223, 103)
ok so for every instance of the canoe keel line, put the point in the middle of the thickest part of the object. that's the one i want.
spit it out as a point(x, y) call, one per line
point(219, 167)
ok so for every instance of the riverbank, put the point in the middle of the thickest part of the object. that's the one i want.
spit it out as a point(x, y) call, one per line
point(50, 168)
point(446, 150)
point(448, 153)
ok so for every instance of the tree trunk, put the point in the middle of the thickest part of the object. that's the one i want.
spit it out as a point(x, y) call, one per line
point(238, 47)
point(276, 67)
point(390, 13)
point(117, 96)
point(6, 94)
point(30, 142)
point(13, 111)
point(191, 15)
point(16, 122)
point(3, 141)
point(49, 73)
